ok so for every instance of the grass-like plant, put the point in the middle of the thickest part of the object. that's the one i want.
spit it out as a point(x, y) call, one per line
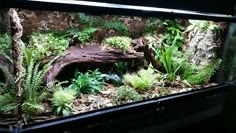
point(61, 99)
point(120, 42)
point(142, 80)
point(89, 82)
point(124, 93)
point(47, 44)
point(167, 60)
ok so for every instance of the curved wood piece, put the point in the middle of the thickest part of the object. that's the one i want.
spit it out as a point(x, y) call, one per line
point(89, 54)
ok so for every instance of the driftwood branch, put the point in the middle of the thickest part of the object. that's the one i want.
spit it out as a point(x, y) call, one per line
point(89, 54)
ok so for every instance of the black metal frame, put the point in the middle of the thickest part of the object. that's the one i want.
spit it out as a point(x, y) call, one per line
point(115, 9)
point(208, 102)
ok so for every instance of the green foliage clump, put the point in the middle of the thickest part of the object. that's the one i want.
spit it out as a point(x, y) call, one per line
point(33, 78)
point(142, 80)
point(173, 34)
point(61, 99)
point(124, 93)
point(121, 42)
point(47, 44)
point(86, 19)
point(196, 76)
point(89, 82)
point(7, 93)
point(5, 46)
point(116, 25)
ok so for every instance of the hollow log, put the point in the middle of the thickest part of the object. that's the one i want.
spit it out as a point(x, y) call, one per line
point(89, 54)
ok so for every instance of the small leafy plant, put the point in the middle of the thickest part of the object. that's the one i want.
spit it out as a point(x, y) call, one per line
point(120, 42)
point(124, 93)
point(61, 99)
point(89, 82)
point(47, 44)
point(142, 80)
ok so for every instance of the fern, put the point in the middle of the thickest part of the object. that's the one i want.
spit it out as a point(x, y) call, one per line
point(33, 80)
point(7, 101)
point(200, 76)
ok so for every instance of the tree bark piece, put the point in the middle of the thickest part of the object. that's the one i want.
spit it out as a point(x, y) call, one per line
point(89, 54)
point(17, 31)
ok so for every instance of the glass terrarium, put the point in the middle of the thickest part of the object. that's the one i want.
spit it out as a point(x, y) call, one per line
point(67, 63)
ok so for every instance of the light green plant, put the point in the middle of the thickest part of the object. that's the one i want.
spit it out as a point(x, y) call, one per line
point(61, 99)
point(120, 42)
point(89, 82)
point(196, 76)
point(201, 25)
point(47, 44)
point(33, 79)
point(124, 93)
point(142, 80)
point(154, 45)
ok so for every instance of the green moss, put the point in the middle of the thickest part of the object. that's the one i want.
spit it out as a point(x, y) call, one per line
point(120, 42)
point(124, 93)
point(142, 80)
